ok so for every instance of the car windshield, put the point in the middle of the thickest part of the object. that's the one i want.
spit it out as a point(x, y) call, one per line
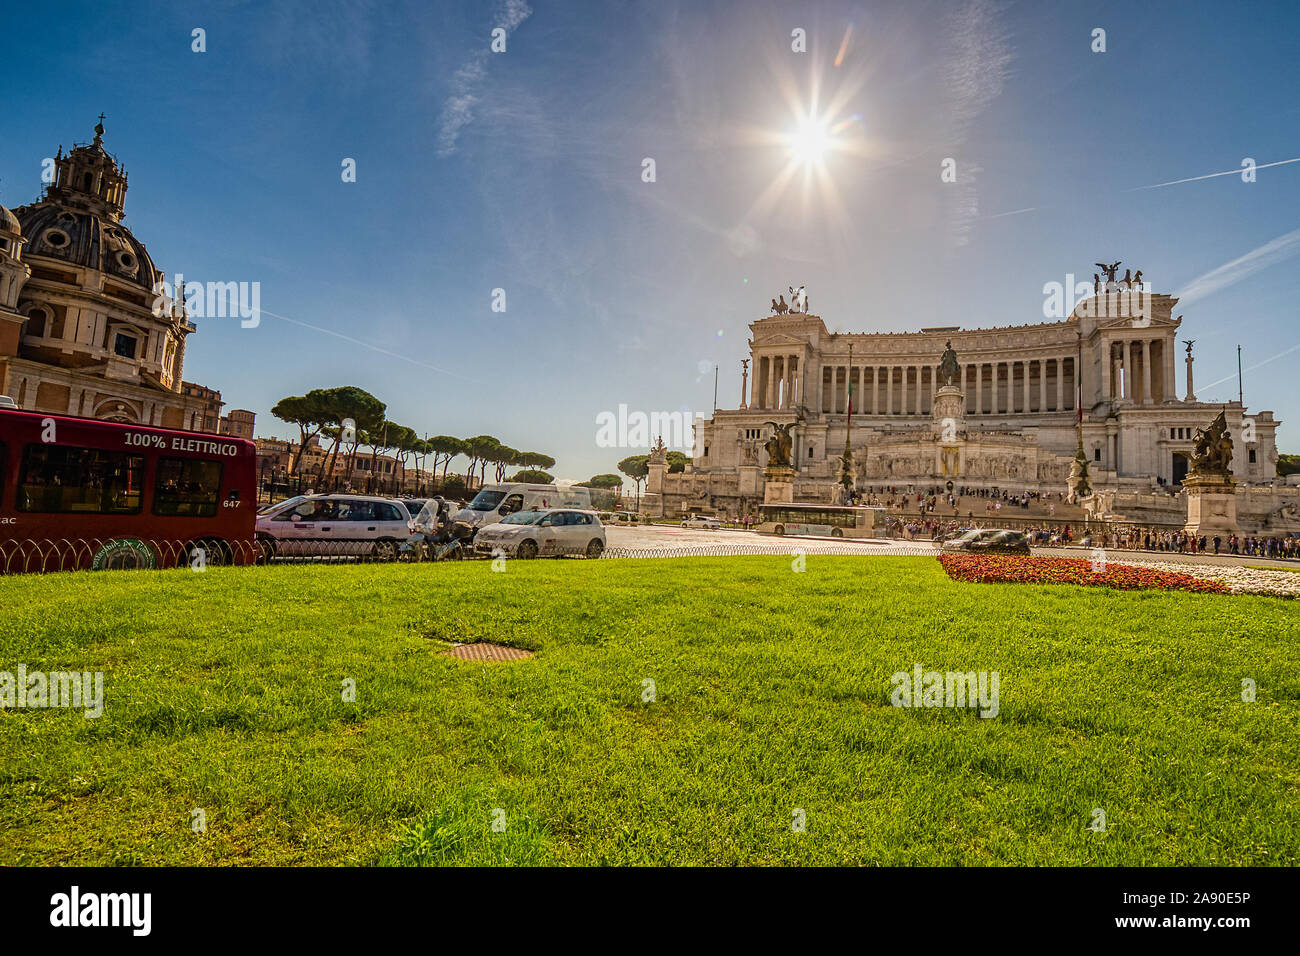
point(486, 500)
point(971, 535)
point(287, 504)
point(522, 517)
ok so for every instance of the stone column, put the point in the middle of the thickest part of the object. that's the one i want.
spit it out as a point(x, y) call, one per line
point(1060, 384)
point(1130, 366)
point(1042, 386)
point(1191, 393)
point(1171, 371)
point(1146, 371)
point(979, 388)
point(1107, 368)
point(889, 389)
point(875, 390)
point(1024, 367)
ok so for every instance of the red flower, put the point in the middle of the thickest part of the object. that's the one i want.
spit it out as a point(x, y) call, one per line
point(998, 568)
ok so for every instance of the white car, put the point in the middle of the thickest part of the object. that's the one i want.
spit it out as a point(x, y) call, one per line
point(702, 521)
point(7, 402)
point(554, 531)
point(334, 525)
point(494, 502)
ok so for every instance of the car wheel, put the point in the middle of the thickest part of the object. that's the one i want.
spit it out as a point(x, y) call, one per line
point(385, 550)
point(595, 547)
point(526, 549)
point(265, 548)
point(779, 530)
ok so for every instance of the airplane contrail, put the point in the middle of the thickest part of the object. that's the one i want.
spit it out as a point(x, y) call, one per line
point(1230, 273)
point(1227, 172)
point(1252, 368)
point(372, 347)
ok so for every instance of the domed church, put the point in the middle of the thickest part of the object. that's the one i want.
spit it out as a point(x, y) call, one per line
point(79, 330)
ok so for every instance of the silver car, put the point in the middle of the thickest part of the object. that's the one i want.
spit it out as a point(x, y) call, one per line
point(702, 521)
point(333, 525)
point(553, 531)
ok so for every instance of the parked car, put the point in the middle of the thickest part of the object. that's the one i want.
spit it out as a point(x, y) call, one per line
point(7, 402)
point(495, 502)
point(1003, 541)
point(334, 525)
point(963, 542)
point(554, 531)
point(702, 521)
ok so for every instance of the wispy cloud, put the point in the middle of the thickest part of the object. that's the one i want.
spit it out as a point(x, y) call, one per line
point(977, 67)
point(1227, 172)
point(466, 83)
point(1230, 273)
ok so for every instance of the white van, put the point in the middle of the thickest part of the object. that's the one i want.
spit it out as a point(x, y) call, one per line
point(494, 502)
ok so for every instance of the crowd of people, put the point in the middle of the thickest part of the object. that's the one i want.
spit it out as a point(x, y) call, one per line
point(1181, 542)
point(932, 500)
point(1124, 539)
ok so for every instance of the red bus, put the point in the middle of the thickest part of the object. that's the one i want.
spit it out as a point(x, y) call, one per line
point(82, 493)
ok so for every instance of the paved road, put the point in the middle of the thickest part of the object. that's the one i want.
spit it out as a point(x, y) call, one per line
point(668, 538)
point(1167, 557)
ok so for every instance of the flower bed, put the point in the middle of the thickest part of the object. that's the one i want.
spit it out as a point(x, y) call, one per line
point(998, 568)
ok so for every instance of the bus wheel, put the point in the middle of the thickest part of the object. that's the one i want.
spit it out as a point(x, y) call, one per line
point(216, 554)
point(779, 530)
point(837, 532)
point(385, 550)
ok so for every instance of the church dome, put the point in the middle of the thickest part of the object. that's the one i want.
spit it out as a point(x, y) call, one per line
point(9, 223)
point(79, 219)
point(86, 238)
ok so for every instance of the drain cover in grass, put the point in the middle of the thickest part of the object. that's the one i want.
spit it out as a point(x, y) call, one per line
point(488, 652)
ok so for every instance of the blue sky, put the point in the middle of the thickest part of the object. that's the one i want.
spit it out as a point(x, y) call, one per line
point(522, 171)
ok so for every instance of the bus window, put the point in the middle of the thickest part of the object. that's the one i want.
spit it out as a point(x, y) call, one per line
point(4, 479)
point(186, 488)
point(56, 479)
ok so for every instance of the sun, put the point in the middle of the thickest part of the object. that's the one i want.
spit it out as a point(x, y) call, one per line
point(810, 141)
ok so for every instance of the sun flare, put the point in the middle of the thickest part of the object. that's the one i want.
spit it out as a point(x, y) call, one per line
point(810, 141)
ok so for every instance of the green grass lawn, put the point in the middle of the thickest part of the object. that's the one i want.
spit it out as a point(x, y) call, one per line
point(223, 692)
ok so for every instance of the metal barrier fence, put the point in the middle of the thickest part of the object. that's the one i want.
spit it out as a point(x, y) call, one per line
point(37, 555)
